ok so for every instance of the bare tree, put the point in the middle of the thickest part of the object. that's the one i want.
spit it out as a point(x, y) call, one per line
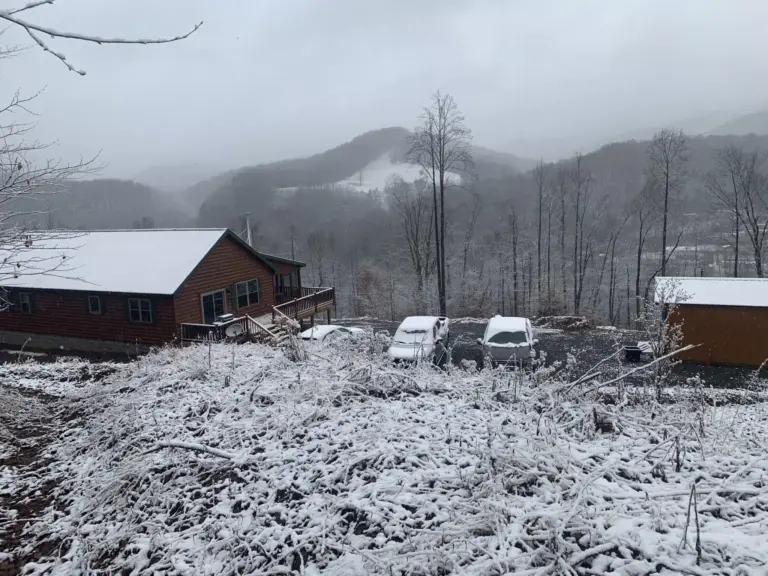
point(23, 182)
point(550, 197)
point(724, 184)
point(317, 245)
point(740, 187)
point(412, 207)
point(540, 174)
point(667, 158)
point(440, 146)
point(468, 235)
point(585, 218)
point(643, 208)
point(562, 189)
point(515, 230)
point(753, 212)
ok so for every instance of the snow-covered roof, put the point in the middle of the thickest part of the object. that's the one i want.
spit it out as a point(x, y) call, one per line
point(713, 291)
point(417, 323)
point(128, 261)
point(499, 324)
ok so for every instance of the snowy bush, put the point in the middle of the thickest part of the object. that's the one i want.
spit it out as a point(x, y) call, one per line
point(259, 463)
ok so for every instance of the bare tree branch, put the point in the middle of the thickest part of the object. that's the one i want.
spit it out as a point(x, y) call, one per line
point(34, 30)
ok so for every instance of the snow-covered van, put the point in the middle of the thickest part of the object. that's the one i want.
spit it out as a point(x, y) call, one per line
point(509, 340)
point(416, 337)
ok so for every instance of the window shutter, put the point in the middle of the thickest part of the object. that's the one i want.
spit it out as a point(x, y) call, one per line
point(31, 302)
point(258, 289)
point(127, 309)
point(153, 308)
point(103, 304)
point(235, 304)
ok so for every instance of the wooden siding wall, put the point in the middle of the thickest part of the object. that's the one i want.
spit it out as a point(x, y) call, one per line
point(728, 335)
point(227, 264)
point(66, 314)
point(283, 268)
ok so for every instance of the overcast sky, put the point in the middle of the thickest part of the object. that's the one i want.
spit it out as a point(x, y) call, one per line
point(269, 79)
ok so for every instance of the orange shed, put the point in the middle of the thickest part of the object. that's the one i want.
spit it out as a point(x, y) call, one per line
point(727, 318)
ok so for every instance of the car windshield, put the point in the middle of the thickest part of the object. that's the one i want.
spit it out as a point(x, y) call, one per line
point(412, 337)
point(508, 338)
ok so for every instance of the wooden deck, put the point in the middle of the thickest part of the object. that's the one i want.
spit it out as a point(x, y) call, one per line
point(248, 328)
point(313, 300)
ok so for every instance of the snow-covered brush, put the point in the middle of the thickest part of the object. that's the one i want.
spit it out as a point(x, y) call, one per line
point(344, 464)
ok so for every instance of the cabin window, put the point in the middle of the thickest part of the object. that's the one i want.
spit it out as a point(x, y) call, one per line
point(5, 300)
point(247, 293)
point(140, 310)
point(25, 302)
point(94, 304)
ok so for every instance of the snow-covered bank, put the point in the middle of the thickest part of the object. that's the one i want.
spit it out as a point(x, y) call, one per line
point(235, 460)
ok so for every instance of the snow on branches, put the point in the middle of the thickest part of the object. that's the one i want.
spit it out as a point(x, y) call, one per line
point(245, 461)
point(38, 32)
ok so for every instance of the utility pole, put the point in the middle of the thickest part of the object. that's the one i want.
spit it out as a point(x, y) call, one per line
point(248, 237)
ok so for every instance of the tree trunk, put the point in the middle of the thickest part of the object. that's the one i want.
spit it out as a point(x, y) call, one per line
point(736, 237)
point(538, 246)
point(576, 258)
point(637, 274)
point(443, 303)
point(514, 266)
point(549, 254)
point(629, 302)
point(562, 248)
point(664, 224)
point(438, 261)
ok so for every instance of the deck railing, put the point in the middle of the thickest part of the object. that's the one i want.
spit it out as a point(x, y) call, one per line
point(315, 298)
point(288, 294)
point(218, 332)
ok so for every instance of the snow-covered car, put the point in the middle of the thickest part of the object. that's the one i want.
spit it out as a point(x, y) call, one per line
point(509, 340)
point(329, 333)
point(416, 337)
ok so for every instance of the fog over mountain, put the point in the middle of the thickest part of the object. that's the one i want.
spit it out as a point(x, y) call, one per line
point(303, 113)
point(268, 81)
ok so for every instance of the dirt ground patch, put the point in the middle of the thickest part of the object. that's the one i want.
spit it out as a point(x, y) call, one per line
point(29, 421)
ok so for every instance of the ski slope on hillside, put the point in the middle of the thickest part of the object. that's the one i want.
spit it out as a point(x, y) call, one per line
point(375, 175)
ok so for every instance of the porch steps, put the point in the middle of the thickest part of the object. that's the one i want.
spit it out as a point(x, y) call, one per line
point(282, 333)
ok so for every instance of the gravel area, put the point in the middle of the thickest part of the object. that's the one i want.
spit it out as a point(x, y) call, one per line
point(589, 347)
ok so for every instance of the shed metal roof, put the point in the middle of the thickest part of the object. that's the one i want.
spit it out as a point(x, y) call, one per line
point(750, 292)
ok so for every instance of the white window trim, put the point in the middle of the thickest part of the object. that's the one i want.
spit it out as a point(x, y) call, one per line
point(140, 321)
point(236, 297)
point(98, 299)
point(21, 302)
point(211, 293)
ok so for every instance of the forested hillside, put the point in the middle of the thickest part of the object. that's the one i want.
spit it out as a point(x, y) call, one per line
point(362, 242)
point(102, 204)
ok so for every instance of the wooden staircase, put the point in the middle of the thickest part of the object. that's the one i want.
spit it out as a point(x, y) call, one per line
point(280, 335)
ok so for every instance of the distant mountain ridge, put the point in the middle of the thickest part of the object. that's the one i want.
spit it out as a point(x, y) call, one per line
point(341, 165)
point(752, 123)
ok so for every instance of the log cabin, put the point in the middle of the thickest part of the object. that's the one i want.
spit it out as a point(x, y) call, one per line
point(127, 290)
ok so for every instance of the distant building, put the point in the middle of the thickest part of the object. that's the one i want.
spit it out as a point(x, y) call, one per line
point(726, 318)
point(126, 290)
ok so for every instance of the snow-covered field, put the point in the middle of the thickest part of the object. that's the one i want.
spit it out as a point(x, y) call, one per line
point(245, 460)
